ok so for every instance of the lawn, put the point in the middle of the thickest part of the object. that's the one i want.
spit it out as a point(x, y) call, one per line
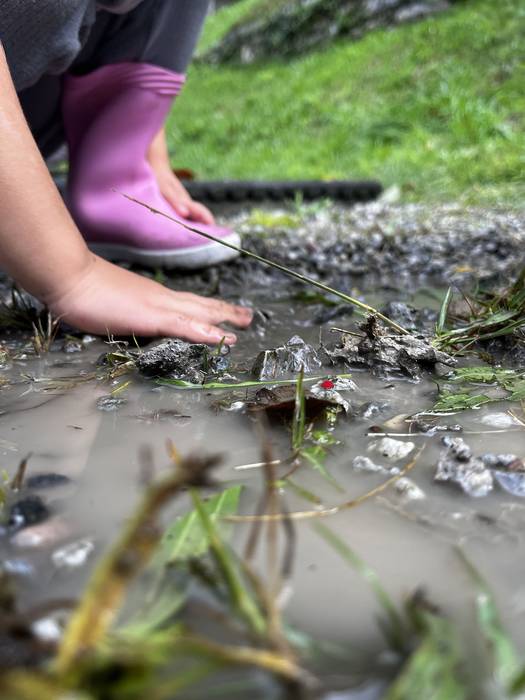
point(436, 107)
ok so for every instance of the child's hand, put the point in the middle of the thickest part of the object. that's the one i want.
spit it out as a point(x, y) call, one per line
point(107, 299)
point(171, 187)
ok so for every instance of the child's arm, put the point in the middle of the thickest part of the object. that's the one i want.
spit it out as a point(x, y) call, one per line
point(42, 249)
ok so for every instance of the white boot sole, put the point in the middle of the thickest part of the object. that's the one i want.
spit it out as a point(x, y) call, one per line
point(184, 259)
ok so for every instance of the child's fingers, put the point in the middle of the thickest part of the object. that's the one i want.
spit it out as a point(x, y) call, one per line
point(188, 328)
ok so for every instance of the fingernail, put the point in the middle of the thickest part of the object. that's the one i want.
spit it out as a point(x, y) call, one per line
point(229, 339)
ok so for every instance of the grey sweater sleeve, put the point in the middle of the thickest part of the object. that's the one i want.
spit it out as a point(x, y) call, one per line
point(44, 36)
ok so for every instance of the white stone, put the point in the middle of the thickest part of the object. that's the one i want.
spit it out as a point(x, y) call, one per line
point(391, 449)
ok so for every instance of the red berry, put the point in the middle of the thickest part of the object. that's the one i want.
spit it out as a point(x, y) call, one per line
point(327, 384)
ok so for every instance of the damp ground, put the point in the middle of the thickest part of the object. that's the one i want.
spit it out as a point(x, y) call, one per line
point(409, 535)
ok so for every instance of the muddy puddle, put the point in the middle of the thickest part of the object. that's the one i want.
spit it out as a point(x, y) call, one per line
point(93, 432)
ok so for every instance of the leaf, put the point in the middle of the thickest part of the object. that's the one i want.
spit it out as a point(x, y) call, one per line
point(460, 402)
point(187, 537)
point(431, 672)
point(443, 312)
point(226, 564)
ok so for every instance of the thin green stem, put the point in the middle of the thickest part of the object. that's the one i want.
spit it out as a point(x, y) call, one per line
point(287, 271)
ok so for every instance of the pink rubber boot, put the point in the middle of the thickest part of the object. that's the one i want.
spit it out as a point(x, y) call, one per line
point(111, 117)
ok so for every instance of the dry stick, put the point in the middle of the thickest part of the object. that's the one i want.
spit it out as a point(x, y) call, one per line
point(325, 512)
point(271, 263)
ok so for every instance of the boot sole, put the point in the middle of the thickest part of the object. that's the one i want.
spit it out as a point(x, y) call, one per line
point(185, 259)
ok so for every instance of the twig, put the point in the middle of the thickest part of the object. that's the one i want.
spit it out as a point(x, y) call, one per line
point(325, 512)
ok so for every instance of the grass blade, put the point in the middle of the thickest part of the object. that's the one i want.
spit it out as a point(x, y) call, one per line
point(287, 271)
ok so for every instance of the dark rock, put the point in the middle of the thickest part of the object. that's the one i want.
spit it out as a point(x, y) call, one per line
point(386, 353)
point(409, 317)
point(30, 510)
point(192, 362)
point(286, 359)
point(46, 481)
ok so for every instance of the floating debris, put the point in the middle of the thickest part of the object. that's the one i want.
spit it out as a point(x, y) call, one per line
point(73, 555)
point(176, 359)
point(391, 449)
point(286, 359)
point(386, 354)
point(457, 464)
point(110, 403)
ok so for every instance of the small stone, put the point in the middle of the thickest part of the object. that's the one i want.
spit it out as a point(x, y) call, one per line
point(18, 567)
point(74, 555)
point(372, 409)
point(393, 450)
point(110, 403)
point(512, 482)
point(409, 490)
point(48, 629)
point(72, 345)
point(30, 510)
point(192, 362)
point(365, 464)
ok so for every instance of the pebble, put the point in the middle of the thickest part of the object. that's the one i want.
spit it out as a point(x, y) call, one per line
point(46, 480)
point(365, 464)
point(110, 403)
point(73, 555)
point(391, 449)
point(47, 630)
point(409, 490)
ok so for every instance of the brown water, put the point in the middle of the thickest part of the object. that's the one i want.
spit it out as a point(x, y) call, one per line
point(409, 544)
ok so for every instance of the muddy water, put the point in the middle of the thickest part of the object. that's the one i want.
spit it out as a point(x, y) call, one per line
point(409, 544)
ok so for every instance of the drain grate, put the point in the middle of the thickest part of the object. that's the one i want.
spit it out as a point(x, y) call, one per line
point(259, 191)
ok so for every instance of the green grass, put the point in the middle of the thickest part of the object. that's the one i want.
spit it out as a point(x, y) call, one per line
point(437, 107)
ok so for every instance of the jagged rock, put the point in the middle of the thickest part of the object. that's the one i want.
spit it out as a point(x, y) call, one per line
point(286, 359)
point(409, 490)
point(192, 362)
point(457, 464)
point(291, 27)
point(386, 353)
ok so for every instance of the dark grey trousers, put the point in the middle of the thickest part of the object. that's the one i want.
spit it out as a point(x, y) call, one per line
point(160, 32)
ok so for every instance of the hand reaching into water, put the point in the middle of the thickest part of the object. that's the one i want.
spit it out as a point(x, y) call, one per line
point(43, 250)
point(107, 299)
